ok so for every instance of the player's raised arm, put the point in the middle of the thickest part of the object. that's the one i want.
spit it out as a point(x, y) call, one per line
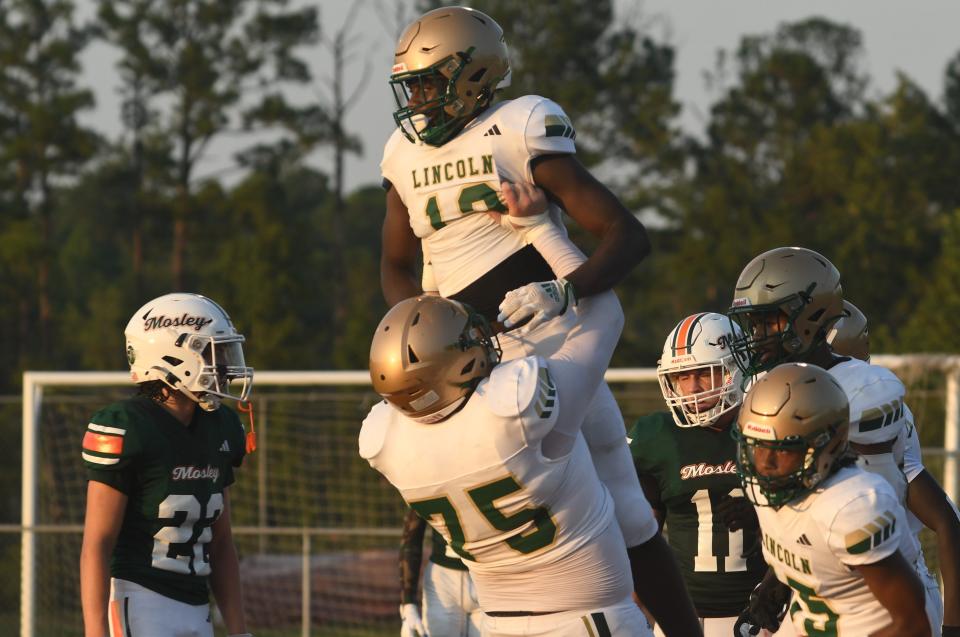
point(400, 252)
point(623, 239)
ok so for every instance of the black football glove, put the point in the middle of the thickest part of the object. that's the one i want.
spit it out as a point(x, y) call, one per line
point(736, 513)
point(767, 606)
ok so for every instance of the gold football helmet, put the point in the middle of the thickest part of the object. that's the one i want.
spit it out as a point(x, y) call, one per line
point(850, 336)
point(428, 354)
point(786, 300)
point(791, 431)
point(447, 65)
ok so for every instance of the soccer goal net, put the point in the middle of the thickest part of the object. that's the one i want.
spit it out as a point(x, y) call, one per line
point(316, 528)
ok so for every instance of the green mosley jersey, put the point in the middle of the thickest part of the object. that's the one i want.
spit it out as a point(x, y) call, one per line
point(694, 468)
point(173, 476)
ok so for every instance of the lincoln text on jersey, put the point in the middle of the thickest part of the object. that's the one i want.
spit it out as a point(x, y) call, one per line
point(448, 171)
point(800, 564)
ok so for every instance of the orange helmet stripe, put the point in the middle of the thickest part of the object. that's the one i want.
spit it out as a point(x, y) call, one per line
point(681, 344)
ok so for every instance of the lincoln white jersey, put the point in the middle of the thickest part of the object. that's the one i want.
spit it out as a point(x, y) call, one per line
point(876, 400)
point(443, 187)
point(537, 534)
point(815, 543)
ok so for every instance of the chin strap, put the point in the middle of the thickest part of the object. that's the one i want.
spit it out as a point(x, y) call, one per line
point(246, 407)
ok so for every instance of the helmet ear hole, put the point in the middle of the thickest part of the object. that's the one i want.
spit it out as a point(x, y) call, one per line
point(411, 354)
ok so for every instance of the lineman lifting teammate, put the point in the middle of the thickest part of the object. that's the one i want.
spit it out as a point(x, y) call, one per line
point(787, 301)
point(157, 525)
point(686, 460)
point(443, 169)
point(520, 501)
point(831, 531)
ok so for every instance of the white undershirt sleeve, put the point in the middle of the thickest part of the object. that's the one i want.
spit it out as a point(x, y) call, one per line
point(556, 248)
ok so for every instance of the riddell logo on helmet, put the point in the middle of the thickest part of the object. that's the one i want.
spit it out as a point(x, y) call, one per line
point(740, 302)
point(759, 431)
point(399, 67)
point(155, 322)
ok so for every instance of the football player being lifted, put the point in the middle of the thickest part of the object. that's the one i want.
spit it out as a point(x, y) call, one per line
point(831, 531)
point(490, 454)
point(925, 497)
point(787, 301)
point(450, 605)
point(157, 529)
point(686, 460)
point(442, 169)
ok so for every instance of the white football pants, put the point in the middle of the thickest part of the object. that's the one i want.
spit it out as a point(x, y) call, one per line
point(450, 607)
point(603, 429)
point(620, 620)
point(138, 611)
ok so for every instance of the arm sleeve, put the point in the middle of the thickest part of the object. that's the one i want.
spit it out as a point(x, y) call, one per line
point(867, 528)
point(111, 447)
point(411, 556)
point(556, 248)
point(577, 368)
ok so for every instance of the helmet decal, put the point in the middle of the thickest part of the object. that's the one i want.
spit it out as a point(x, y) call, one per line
point(155, 322)
point(187, 342)
point(698, 375)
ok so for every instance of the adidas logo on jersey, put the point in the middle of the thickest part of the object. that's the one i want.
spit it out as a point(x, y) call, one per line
point(774, 550)
point(494, 130)
point(225, 446)
point(803, 539)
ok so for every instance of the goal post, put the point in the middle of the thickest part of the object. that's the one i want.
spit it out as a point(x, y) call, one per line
point(317, 529)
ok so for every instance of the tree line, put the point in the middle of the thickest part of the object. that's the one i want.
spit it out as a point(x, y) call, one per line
point(799, 148)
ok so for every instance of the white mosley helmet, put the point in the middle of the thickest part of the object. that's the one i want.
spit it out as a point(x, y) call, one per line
point(701, 342)
point(188, 342)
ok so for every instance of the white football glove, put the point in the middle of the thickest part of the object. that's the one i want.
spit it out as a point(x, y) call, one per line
point(412, 625)
point(539, 302)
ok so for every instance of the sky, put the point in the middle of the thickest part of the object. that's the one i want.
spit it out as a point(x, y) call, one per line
point(917, 38)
